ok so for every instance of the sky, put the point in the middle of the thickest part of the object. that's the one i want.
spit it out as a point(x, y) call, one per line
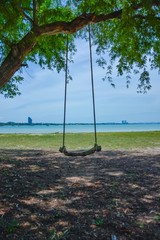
point(42, 96)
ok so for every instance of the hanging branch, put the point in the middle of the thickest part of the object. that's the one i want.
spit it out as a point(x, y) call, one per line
point(35, 20)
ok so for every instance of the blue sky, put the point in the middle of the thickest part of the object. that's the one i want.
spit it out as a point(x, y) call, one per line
point(42, 95)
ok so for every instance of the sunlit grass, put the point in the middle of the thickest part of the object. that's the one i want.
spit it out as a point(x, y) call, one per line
point(108, 141)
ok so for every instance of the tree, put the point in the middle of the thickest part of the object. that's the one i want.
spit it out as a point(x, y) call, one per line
point(35, 31)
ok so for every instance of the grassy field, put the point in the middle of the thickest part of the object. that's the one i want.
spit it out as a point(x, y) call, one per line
point(110, 141)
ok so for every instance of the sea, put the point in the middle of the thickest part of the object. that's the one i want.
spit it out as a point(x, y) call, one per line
point(78, 128)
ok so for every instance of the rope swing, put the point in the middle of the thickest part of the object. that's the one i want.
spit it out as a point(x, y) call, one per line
point(96, 147)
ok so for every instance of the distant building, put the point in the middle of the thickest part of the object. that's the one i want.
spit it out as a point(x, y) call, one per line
point(29, 121)
point(124, 122)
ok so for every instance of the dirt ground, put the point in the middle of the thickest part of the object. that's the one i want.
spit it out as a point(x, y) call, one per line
point(110, 195)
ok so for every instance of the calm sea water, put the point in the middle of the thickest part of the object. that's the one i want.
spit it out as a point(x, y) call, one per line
point(38, 129)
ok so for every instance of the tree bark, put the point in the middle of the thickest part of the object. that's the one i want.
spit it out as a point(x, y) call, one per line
point(15, 57)
point(19, 51)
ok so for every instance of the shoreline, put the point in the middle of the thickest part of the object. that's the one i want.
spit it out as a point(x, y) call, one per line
point(74, 123)
point(78, 128)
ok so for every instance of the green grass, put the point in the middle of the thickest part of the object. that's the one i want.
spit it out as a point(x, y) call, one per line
point(99, 222)
point(108, 141)
point(9, 227)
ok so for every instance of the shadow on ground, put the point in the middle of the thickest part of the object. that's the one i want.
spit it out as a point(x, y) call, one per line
point(107, 195)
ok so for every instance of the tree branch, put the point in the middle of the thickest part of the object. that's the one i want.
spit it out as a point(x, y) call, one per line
point(23, 13)
point(35, 21)
point(144, 17)
point(77, 24)
point(83, 20)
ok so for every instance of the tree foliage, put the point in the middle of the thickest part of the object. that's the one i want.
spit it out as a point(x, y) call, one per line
point(35, 31)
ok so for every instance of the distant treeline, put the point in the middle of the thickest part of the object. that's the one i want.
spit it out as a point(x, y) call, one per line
point(24, 124)
point(57, 124)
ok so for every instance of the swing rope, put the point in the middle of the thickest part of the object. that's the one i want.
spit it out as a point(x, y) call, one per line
point(92, 83)
point(96, 147)
point(65, 94)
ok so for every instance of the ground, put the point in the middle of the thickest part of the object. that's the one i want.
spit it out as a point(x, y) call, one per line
point(108, 195)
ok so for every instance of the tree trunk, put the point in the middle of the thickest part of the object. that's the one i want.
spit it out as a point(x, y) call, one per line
point(15, 57)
